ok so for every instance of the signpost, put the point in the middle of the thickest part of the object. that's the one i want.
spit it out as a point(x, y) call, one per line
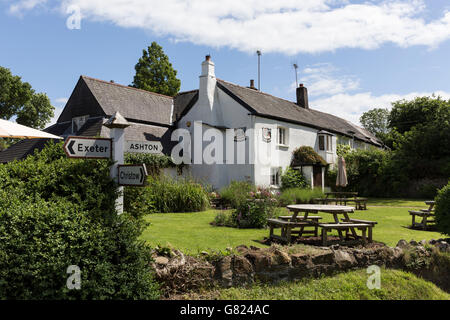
point(132, 175)
point(88, 148)
point(153, 147)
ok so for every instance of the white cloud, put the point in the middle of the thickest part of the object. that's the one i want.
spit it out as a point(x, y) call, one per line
point(287, 26)
point(24, 5)
point(325, 79)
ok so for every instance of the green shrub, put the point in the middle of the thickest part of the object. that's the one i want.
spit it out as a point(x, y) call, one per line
point(236, 193)
point(293, 179)
point(153, 162)
point(224, 219)
point(49, 174)
point(254, 212)
point(443, 210)
point(299, 196)
point(165, 195)
point(306, 155)
point(41, 239)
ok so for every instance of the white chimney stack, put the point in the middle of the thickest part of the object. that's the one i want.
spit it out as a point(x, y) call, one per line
point(207, 83)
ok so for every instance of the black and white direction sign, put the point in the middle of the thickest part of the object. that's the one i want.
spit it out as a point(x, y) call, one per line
point(154, 147)
point(88, 148)
point(132, 175)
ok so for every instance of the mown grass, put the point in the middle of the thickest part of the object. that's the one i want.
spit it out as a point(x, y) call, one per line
point(192, 232)
point(395, 285)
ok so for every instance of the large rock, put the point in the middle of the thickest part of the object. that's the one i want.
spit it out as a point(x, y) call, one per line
point(242, 271)
point(403, 244)
point(224, 272)
point(344, 259)
point(259, 259)
point(325, 257)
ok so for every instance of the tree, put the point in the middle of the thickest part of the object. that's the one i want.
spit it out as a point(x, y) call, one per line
point(18, 99)
point(155, 73)
point(376, 122)
point(407, 114)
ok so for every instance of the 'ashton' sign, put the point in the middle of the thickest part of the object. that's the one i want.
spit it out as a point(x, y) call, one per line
point(154, 147)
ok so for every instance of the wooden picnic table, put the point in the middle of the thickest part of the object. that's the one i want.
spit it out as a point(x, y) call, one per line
point(345, 225)
point(425, 214)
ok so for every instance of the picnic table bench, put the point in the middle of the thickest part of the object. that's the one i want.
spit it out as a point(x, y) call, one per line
point(425, 214)
point(346, 226)
point(289, 223)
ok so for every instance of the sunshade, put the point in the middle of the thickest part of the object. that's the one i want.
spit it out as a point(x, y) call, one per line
point(341, 179)
point(10, 129)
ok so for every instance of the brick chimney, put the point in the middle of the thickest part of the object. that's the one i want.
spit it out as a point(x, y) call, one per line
point(302, 96)
point(252, 84)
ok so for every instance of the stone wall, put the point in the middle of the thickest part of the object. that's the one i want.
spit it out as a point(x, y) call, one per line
point(244, 266)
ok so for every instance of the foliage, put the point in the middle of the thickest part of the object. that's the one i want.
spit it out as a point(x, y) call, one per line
point(292, 178)
point(236, 193)
point(155, 73)
point(56, 212)
point(166, 194)
point(407, 114)
point(41, 239)
point(299, 196)
point(225, 219)
point(343, 149)
point(306, 155)
point(153, 162)
point(442, 209)
point(376, 122)
point(254, 212)
point(18, 99)
point(49, 174)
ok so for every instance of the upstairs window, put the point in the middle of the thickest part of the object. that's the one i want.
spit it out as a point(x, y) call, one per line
point(78, 122)
point(283, 136)
point(325, 141)
point(322, 143)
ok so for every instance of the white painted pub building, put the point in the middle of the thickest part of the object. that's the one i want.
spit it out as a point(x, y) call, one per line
point(259, 131)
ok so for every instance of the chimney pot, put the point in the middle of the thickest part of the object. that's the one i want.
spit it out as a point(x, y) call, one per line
point(302, 96)
point(208, 57)
point(252, 84)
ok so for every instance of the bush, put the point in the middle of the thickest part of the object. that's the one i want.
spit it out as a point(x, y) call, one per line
point(236, 193)
point(306, 155)
point(49, 174)
point(442, 208)
point(154, 162)
point(292, 179)
point(41, 239)
point(254, 212)
point(165, 195)
point(299, 196)
point(224, 219)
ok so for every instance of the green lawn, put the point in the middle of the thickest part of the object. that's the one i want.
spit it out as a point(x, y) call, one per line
point(192, 232)
point(395, 285)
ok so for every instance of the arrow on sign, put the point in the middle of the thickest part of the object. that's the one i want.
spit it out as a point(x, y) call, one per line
point(88, 148)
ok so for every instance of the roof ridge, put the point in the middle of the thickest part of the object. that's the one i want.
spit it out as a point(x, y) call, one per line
point(126, 87)
point(185, 92)
point(257, 91)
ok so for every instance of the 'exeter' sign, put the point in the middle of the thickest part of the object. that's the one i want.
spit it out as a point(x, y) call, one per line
point(132, 175)
point(154, 147)
point(88, 148)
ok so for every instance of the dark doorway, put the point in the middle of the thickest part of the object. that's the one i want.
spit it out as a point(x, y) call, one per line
point(317, 176)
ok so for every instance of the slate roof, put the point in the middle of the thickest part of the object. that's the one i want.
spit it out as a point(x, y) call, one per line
point(266, 105)
point(132, 103)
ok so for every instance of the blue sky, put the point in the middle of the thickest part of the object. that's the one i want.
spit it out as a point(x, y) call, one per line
point(352, 55)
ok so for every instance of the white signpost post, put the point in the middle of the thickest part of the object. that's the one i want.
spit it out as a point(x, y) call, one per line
point(132, 175)
point(153, 147)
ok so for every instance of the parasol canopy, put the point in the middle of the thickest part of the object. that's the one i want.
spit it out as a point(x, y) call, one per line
point(10, 129)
